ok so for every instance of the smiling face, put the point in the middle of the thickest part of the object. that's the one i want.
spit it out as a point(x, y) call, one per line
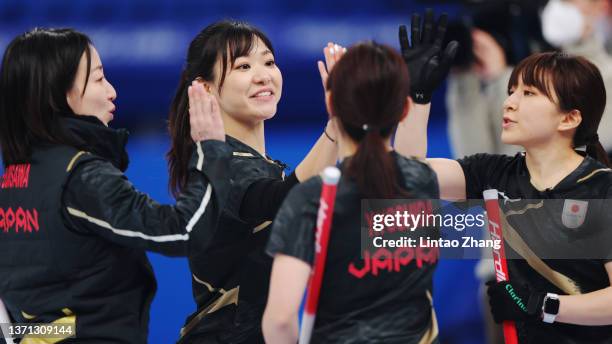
point(252, 87)
point(97, 100)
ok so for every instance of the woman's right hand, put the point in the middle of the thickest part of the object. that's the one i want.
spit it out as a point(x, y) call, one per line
point(427, 64)
point(204, 115)
point(333, 53)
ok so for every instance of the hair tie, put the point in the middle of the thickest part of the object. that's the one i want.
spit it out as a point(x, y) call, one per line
point(366, 128)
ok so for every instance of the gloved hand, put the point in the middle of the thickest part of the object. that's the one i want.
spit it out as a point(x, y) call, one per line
point(512, 301)
point(426, 64)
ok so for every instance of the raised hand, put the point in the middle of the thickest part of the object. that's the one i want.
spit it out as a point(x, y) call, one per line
point(204, 114)
point(333, 53)
point(490, 57)
point(427, 64)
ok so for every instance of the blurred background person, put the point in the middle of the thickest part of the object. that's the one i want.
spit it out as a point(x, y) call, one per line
point(494, 35)
point(474, 97)
point(606, 28)
point(578, 27)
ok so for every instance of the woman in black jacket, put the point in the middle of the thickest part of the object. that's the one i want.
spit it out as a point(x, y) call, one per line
point(236, 63)
point(73, 229)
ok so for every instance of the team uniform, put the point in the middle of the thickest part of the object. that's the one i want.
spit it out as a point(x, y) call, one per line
point(374, 299)
point(535, 228)
point(74, 230)
point(231, 274)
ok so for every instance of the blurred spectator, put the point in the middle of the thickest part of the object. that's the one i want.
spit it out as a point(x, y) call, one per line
point(475, 97)
point(606, 28)
point(575, 27)
point(493, 35)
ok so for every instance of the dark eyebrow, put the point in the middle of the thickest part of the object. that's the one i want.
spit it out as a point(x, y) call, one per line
point(263, 53)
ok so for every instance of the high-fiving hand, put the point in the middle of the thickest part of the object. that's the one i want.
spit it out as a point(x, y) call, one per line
point(427, 64)
point(204, 114)
point(332, 52)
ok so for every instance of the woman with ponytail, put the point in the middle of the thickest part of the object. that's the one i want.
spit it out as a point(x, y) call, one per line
point(553, 110)
point(368, 95)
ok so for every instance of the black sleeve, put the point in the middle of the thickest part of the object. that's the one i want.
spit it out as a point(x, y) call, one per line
point(99, 199)
point(263, 198)
point(608, 201)
point(480, 172)
point(293, 229)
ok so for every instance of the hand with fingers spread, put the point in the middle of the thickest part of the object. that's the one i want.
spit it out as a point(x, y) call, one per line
point(204, 115)
point(427, 64)
point(333, 53)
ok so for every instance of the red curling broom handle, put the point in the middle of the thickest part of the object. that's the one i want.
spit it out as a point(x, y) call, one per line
point(499, 256)
point(331, 176)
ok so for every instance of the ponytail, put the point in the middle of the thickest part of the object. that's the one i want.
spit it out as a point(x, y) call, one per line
point(372, 167)
point(369, 88)
point(595, 150)
point(180, 135)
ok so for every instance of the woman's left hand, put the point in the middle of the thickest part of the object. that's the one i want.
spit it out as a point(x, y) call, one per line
point(333, 53)
point(512, 301)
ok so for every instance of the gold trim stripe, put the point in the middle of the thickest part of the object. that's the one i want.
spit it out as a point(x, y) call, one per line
point(74, 159)
point(200, 162)
point(127, 232)
point(227, 298)
point(432, 332)
point(69, 320)
point(206, 284)
point(524, 210)
point(262, 226)
point(592, 174)
point(243, 154)
point(513, 238)
point(27, 316)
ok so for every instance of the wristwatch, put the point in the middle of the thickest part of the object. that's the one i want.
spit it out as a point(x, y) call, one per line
point(550, 308)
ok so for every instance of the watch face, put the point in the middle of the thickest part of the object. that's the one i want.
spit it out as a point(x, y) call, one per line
point(551, 306)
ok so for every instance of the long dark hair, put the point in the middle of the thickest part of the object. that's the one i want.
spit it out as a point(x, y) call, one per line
point(213, 43)
point(578, 85)
point(38, 69)
point(369, 89)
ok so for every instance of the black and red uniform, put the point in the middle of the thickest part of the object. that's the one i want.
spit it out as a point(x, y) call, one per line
point(74, 230)
point(374, 299)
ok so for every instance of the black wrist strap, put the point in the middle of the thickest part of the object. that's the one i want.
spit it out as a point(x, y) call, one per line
point(329, 137)
point(534, 305)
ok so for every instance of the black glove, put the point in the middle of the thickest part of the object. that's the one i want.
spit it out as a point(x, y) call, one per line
point(426, 65)
point(512, 301)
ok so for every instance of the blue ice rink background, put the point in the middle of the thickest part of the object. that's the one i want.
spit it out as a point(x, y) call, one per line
point(142, 45)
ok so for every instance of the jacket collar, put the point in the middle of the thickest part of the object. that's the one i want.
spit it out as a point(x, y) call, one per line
point(92, 135)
